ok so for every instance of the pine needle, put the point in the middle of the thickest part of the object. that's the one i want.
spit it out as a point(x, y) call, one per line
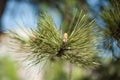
point(46, 42)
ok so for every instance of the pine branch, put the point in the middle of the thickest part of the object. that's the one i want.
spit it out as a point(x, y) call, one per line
point(77, 45)
point(111, 16)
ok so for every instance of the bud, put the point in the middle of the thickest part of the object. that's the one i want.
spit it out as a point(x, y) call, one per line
point(33, 37)
point(65, 37)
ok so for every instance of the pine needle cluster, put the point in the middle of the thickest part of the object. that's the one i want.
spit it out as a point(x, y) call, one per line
point(111, 16)
point(76, 44)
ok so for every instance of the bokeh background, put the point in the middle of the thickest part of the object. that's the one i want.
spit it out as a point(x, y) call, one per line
point(15, 13)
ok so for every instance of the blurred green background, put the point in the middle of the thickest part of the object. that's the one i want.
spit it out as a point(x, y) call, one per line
point(26, 12)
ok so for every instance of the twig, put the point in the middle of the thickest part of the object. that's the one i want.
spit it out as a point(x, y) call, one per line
point(70, 71)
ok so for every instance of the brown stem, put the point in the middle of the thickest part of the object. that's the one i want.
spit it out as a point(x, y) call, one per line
point(61, 51)
point(70, 71)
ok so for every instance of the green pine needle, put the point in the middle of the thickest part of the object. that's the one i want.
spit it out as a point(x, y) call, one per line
point(111, 17)
point(76, 45)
